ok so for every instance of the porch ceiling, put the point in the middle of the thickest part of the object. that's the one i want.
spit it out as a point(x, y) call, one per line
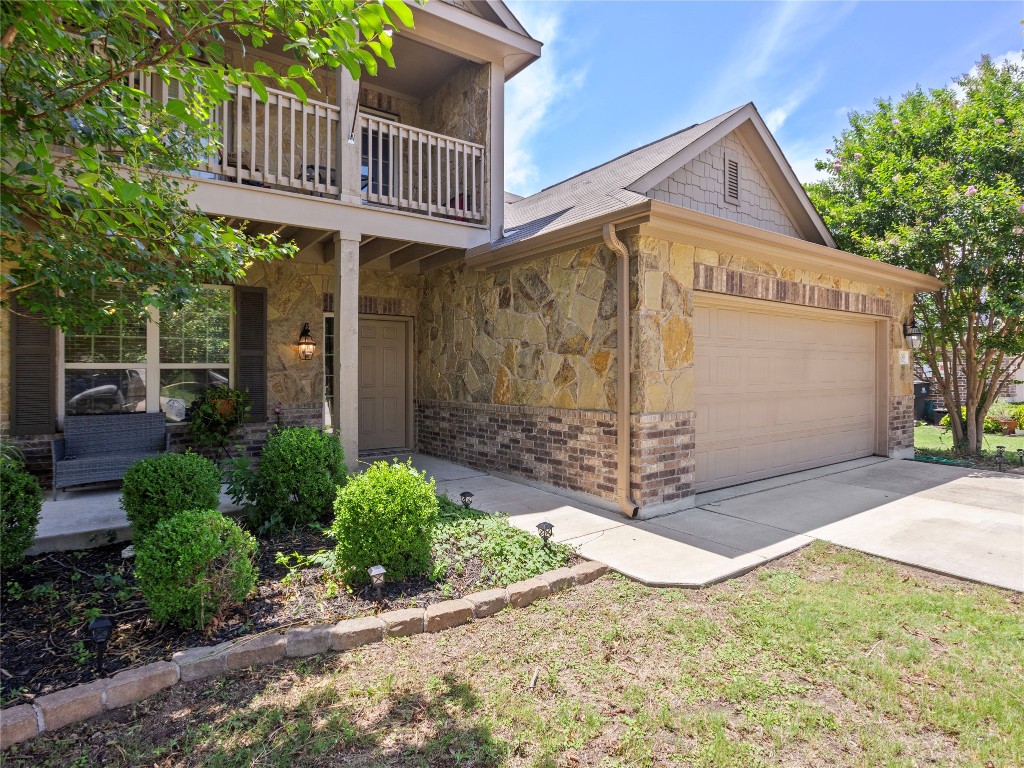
point(419, 69)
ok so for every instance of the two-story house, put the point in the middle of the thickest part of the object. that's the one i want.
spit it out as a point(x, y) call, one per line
point(452, 318)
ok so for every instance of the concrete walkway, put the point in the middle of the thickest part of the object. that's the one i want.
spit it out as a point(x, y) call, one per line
point(962, 522)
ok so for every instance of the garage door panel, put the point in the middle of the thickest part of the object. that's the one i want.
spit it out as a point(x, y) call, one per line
point(779, 391)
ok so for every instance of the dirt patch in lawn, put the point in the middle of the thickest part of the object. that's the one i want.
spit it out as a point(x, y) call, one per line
point(47, 606)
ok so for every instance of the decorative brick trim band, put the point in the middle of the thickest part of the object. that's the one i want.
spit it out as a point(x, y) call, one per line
point(85, 701)
point(369, 305)
point(737, 283)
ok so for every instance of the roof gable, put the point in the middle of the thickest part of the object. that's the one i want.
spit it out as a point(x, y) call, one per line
point(749, 128)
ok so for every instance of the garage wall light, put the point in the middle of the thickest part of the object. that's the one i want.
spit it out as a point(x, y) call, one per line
point(913, 334)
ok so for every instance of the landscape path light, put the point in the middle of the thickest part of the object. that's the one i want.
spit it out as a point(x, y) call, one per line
point(467, 499)
point(377, 573)
point(545, 529)
point(100, 630)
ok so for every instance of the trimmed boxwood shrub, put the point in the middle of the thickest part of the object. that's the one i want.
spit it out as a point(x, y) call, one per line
point(159, 487)
point(385, 516)
point(298, 477)
point(195, 566)
point(21, 500)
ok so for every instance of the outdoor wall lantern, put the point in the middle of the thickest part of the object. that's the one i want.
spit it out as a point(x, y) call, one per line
point(545, 530)
point(913, 334)
point(100, 628)
point(377, 573)
point(307, 347)
point(467, 499)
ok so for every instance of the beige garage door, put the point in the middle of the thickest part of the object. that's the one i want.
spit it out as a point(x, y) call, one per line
point(779, 389)
point(383, 402)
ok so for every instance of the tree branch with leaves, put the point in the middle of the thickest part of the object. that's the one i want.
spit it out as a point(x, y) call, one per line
point(94, 178)
point(934, 182)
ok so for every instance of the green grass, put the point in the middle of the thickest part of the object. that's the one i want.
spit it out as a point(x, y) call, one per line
point(940, 440)
point(828, 657)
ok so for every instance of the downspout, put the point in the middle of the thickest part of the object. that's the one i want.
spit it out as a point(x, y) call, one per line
point(622, 427)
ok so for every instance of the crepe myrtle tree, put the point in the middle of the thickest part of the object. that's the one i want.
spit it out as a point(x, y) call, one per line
point(934, 182)
point(94, 173)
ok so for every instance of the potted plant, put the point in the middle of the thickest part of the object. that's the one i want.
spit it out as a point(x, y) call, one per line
point(1003, 412)
point(214, 415)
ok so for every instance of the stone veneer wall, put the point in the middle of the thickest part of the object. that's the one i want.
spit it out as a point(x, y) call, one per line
point(901, 424)
point(700, 186)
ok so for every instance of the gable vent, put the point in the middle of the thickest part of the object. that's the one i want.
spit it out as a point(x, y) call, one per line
point(732, 179)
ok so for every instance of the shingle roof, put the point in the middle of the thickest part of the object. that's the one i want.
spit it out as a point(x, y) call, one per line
point(599, 191)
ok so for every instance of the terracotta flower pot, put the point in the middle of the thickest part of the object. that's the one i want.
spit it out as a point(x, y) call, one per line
point(225, 408)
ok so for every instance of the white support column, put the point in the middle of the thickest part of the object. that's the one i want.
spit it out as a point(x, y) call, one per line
point(349, 181)
point(346, 344)
point(496, 151)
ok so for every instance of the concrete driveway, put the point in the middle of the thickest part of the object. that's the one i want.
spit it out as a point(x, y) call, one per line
point(964, 523)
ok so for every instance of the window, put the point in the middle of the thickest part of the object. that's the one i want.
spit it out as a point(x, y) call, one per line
point(160, 365)
point(376, 162)
point(732, 178)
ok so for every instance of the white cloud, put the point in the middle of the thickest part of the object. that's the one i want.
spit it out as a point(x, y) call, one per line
point(530, 95)
point(777, 116)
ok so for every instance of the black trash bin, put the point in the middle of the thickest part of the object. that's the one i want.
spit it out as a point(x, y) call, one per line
point(922, 393)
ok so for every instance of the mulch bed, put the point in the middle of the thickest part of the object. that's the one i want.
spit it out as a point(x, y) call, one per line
point(46, 611)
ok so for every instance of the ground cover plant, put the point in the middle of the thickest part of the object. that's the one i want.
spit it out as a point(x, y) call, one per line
point(47, 605)
point(827, 657)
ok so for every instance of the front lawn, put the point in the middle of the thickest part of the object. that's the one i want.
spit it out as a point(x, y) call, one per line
point(938, 441)
point(827, 657)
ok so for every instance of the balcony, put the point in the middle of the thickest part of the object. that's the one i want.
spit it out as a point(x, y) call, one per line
point(284, 144)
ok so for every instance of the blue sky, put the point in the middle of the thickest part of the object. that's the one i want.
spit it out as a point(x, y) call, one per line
point(617, 74)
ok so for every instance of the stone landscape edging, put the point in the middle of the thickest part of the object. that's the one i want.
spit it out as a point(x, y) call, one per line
point(131, 686)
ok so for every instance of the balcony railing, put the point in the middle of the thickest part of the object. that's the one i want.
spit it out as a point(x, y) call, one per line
point(417, 170)
point(281, 143)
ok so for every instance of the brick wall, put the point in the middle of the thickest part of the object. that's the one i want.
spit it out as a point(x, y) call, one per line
point(901, 423)
point(662, 457)
point(568, 448)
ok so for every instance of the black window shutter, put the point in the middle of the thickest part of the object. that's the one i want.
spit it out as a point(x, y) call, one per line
point(33, 375)
point(251, 347)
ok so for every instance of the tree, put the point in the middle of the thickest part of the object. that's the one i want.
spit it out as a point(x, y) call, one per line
point(94, 176)
point(935, 183)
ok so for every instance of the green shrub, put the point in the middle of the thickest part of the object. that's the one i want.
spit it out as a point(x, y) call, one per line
point(991, 426)
point(20, 503)
point(215, 415)
point(195, 566)
point(1018, 414)
point(385, 516)
point(298, 477)
point(161, 486)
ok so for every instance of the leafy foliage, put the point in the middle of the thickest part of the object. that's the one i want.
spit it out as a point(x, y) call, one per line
point(21, 501)
point(195, 566)
point(991, 426)
point(297, 479)
point(215, 415)
point(159, 487)
point(385, 516)
point(94, 179)
point(507, 554)
point(935, 183)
